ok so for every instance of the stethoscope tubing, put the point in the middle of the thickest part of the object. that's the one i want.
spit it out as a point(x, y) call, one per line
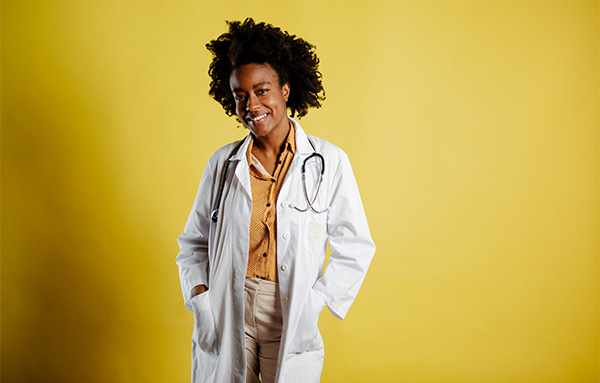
point(310, 202)
point(214, 216)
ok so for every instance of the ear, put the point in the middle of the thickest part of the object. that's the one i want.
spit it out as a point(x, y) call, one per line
point(285, 89)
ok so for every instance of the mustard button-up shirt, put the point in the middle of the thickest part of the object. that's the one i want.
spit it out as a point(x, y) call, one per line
point(262, 257)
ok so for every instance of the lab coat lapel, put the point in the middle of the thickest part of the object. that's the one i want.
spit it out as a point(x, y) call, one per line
point(239, 161)
point(303, 146)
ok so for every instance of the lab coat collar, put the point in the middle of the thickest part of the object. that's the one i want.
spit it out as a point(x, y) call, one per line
point(303, 146)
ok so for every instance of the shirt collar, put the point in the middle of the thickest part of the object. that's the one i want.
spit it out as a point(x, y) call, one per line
point(290, 143)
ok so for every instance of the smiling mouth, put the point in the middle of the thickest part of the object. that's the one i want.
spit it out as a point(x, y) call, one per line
point(258, 118)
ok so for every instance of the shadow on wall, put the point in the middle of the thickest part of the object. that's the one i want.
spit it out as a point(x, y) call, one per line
point(64, 272)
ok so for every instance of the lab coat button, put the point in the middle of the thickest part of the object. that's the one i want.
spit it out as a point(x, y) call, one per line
point(286, 236)
point(284, 204)
point(284, 267)
point(285, 299)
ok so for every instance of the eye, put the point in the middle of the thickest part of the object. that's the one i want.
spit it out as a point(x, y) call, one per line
point(262, 91)
point(238, 97)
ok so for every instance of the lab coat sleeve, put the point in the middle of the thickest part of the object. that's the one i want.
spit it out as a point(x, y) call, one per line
point(350, 242)
point(193, 258)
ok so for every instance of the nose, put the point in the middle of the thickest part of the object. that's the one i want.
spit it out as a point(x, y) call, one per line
point(252, 103)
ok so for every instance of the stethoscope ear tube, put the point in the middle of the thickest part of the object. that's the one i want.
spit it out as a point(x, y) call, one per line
point(311, 202)
point(315, 154)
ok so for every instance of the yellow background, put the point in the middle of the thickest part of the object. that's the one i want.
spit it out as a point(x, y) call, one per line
point(473, 131)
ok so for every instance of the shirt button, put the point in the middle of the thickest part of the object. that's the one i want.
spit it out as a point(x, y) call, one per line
point(264, 254)
point(272, 180)
point(286, 235)
point(284, 267)
point(269, 204)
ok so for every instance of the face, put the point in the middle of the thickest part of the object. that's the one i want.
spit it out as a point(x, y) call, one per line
point(260, 101)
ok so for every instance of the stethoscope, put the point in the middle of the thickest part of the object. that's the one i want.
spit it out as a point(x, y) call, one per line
point(310, 203)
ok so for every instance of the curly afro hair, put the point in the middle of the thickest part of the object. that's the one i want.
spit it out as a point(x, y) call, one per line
point(291, 57)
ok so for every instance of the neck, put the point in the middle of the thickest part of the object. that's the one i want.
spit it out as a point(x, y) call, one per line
point(271, 145)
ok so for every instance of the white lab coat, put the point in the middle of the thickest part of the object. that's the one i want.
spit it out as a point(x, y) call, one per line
point(216, 255)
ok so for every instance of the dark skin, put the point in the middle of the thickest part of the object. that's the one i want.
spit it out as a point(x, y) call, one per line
point(261, 106)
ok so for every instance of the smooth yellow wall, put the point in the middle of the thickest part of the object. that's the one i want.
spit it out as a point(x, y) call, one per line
point(473, 131)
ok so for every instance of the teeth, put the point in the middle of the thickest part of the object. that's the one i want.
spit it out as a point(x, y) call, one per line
point(258, 117)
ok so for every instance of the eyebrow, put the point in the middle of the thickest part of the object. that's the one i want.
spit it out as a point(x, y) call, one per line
point(254, 86)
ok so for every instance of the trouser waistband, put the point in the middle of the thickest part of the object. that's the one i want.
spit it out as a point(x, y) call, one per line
point(261, 286)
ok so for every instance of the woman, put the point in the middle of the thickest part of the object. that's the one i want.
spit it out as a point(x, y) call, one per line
point(253, 249)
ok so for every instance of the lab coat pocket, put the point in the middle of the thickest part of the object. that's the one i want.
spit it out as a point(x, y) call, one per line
point(315, 227)
point(205, 333)
point(307, 336)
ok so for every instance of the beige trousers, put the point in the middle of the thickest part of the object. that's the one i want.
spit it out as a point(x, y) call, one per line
point(262, 323)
